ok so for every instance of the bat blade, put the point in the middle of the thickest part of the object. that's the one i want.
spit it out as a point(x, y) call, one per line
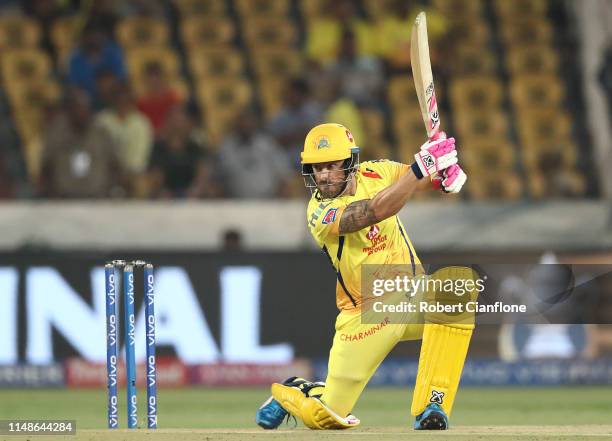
point(423, 77)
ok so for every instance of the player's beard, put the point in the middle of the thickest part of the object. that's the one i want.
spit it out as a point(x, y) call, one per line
point(330, 190)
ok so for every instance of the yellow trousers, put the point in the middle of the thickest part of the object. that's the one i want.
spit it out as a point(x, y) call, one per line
point(357, 351)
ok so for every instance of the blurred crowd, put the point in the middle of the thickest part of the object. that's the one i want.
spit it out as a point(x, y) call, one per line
point(109, 135)
point(101, 139)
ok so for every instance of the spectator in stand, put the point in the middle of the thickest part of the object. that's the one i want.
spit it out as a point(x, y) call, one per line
point(96, 54)
point(130, 130)
point(79, 157)
point(232, 241)
point(325, 33)
point(251, 163)
point(106, 84)
point(178, 165)
point(158, 97)
point(361, 77)
point(298, 115)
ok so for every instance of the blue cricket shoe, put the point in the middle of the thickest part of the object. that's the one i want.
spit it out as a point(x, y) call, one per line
point(432, 418)
point(270, 415)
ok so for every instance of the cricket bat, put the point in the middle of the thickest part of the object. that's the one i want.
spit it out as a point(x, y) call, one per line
point(423, 77)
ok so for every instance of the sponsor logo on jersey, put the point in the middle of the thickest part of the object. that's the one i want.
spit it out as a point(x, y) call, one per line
point(361, 335)
point(374, 230)
point(379, 243)
point(330, 216)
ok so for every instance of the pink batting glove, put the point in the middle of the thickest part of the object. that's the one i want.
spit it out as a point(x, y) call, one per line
point(435, 156)
point(436, 179)
point(453, 179)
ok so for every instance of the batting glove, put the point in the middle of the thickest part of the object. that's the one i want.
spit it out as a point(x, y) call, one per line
point(434, 156)
point(452, 179)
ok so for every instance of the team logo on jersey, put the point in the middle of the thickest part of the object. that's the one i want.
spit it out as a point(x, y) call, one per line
point(322, 142)
point(330, 216)
point(374, 230)
point(349, 135)
point(436, 397)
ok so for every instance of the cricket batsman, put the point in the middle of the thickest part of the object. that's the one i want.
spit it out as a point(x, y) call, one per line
point(352, 216)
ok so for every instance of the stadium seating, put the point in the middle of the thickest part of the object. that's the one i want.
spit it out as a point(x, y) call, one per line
point(373, 122)
point(459, 8)
point(271, 92)
point(476, 92)
point(536, 91)
point(19, 65)
point(18, 32)
point(222, 101)
point(537, 96)
point(481, 123)
point(142, 31)
point(240, 53)
point(483, 154)
point(494, 184)
point(215, 62)
point(138, 59)
point(29, 102)
point(199, 8)
point(277, 62)
point(532, 30)
point(265, 8)
point(26, 80)
point(519, 9)
point(207, 32)
point(64, 35)
point(469, 60)
point(531, 59)
point(378, 9)
point(269, 32)
point(401, 93)
point(312, 9)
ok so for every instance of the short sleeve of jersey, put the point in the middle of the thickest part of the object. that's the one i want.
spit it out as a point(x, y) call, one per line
point(389, 171)
point(324, 218)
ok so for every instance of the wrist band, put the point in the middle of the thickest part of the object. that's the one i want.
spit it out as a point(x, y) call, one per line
point(416, 170)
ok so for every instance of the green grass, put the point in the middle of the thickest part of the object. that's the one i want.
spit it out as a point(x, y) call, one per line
point(385, 413)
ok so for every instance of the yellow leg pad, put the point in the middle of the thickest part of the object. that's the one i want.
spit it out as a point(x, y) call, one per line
point(443, 353)
point(290, 398)
point(316, 415)
point(311, 411)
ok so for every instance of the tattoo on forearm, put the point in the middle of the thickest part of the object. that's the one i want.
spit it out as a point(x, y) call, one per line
point(356, 216)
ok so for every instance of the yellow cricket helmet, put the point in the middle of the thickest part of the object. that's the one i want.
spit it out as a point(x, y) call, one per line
point(325, 143)
point(328, 142)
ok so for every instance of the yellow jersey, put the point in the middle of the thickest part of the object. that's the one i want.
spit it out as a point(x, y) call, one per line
point(383, 243)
